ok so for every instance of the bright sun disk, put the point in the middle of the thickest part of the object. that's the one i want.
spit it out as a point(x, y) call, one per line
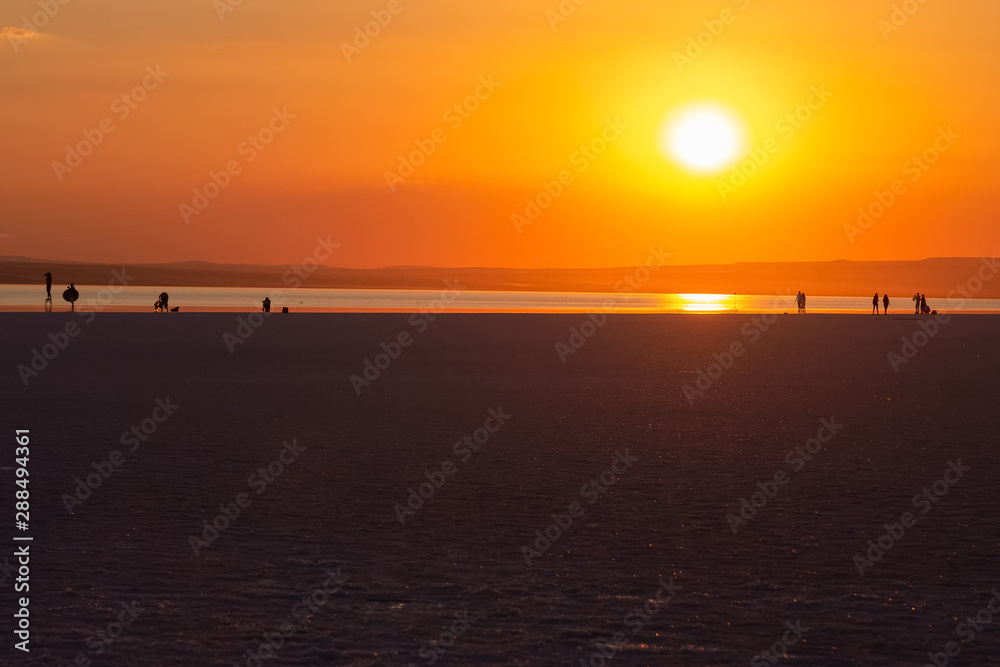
point(703, 137)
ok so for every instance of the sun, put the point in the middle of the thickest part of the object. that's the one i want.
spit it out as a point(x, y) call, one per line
point(704, 137)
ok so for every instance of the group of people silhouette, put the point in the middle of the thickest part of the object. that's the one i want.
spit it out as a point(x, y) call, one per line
point(70, 294)
point(162, 303)
point(885, 304)
point(920, 306)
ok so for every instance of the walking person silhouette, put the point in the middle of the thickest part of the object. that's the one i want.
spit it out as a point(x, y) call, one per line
point(885, 304)
point(875, 304)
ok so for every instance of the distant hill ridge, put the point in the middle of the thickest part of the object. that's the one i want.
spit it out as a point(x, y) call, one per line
point(935, 277)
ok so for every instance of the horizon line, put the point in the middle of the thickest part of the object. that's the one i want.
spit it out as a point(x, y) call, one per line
point(396, 267)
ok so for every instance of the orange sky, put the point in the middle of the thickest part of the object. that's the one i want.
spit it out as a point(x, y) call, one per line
point(555, 85)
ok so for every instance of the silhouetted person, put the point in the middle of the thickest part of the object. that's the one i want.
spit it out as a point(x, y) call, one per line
point(164, 298)
point(875, 304)
point(48, 287)
point(267, 304)
point(885, 304)
point(916, 303)
point(803, 302)
point(923, 304)
point(71, 294)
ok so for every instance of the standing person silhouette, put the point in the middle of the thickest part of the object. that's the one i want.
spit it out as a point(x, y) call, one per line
point(923, 304)
point(48, 287)
point(885, 304)
point(916, 303)
point(803, 302)
point(875, 304)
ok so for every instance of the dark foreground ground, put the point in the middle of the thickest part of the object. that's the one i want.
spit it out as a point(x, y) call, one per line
point(451, 585)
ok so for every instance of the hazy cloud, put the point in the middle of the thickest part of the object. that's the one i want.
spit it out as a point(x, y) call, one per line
point(19, 33)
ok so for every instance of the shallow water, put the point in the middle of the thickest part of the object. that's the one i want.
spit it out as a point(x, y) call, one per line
point(26, 298)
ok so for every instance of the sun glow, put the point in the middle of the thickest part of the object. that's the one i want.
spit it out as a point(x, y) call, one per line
point(703, 137)
point(706, 303)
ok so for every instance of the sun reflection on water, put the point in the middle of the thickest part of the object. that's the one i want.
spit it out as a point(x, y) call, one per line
point(706, 303)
